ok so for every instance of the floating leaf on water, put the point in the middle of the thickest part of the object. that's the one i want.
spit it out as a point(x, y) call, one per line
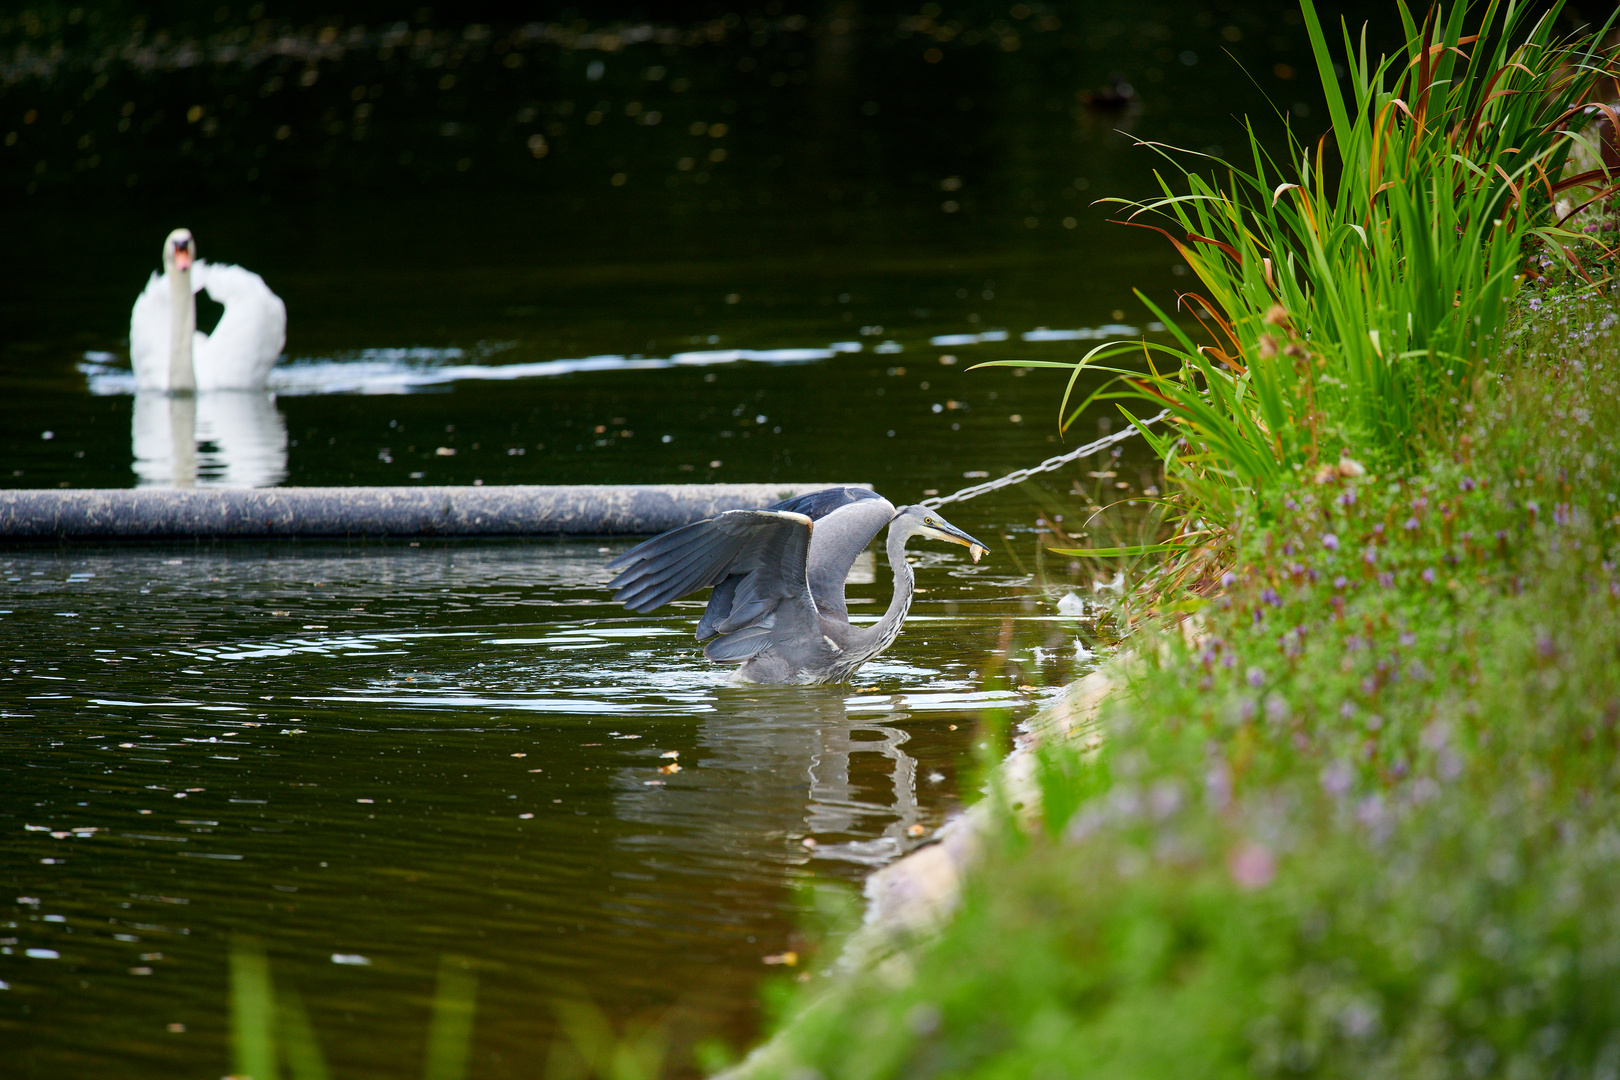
point(354, 959)
point(788, 959)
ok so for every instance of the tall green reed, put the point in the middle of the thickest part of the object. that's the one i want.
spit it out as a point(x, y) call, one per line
point(1353, 294)
point(270, 1027)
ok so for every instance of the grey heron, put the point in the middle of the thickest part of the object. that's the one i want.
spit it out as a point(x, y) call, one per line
point(778, 609)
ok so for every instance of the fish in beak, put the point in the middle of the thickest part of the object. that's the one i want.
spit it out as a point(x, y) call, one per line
point(939, 529)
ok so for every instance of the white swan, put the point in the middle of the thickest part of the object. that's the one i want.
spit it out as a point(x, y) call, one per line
point(167, 351)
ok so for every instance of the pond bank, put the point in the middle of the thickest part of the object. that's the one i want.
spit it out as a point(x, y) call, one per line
point(1364, 823)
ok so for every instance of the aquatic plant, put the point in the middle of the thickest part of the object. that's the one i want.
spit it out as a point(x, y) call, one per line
point(270, 1027)
point(1354, 294)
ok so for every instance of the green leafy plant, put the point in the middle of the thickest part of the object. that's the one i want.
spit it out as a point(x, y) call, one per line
point(270, 1027)
point(1353, 295)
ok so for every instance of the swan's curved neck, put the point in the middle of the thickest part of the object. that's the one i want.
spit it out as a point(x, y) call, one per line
point(182, 328)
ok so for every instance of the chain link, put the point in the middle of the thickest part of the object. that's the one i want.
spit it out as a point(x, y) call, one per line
point(1018, 476)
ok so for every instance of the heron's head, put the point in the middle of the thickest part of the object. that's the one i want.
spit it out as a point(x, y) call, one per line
point(179, 251)
point(924, 521)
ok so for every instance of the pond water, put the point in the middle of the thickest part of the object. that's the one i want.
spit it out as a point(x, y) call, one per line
point(373, 757)
point(763, 247)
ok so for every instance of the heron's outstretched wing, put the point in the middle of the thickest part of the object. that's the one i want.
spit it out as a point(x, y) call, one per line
point(754, 559)
point(816, 505)
point(846, 521)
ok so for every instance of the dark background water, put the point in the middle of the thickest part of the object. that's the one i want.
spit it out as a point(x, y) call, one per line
point(759, 179)
point(495, 186)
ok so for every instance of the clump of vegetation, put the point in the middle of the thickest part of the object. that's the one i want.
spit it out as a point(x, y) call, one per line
point(1362, 823)
point(1359, 818)
point(1353, 294)
point(272, 1036)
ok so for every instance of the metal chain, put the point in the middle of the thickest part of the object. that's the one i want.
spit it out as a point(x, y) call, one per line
point(1018, 476)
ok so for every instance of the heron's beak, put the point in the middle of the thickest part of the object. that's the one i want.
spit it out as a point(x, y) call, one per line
point(944, 530)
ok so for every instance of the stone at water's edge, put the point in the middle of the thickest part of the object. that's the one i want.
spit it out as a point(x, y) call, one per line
point(289, 512)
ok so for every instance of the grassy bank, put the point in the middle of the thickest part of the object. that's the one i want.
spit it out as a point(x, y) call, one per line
point(1367, 824)
point(1361, 816)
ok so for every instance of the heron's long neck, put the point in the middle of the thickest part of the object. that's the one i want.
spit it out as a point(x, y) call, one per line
point(883, 632)
point(182, 325)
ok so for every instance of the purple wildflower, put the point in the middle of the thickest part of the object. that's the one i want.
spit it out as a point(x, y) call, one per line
point(1330, 541)
point(1428, 575)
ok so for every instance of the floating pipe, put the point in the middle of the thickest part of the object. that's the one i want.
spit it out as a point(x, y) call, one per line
point(310, 512)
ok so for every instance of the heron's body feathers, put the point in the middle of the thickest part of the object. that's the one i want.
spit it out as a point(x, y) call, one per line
point(816, 505)
point(778, 609)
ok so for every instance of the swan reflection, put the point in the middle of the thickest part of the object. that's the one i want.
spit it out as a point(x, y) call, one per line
point(226, 438)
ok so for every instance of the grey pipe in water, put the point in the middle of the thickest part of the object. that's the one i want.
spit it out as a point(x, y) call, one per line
point(308, 512)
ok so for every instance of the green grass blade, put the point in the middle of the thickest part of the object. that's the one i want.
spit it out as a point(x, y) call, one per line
point(298, 1043)
point(450, 1033)
point(1115, 552)
point(253, 1012)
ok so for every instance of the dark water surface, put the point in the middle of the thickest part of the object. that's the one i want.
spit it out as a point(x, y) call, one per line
point(760, 247)
point(373, 757)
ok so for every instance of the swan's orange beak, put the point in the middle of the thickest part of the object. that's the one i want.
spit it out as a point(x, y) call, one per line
point(182, 256)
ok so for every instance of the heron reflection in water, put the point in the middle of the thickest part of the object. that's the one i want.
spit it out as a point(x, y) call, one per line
point(778, 611)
